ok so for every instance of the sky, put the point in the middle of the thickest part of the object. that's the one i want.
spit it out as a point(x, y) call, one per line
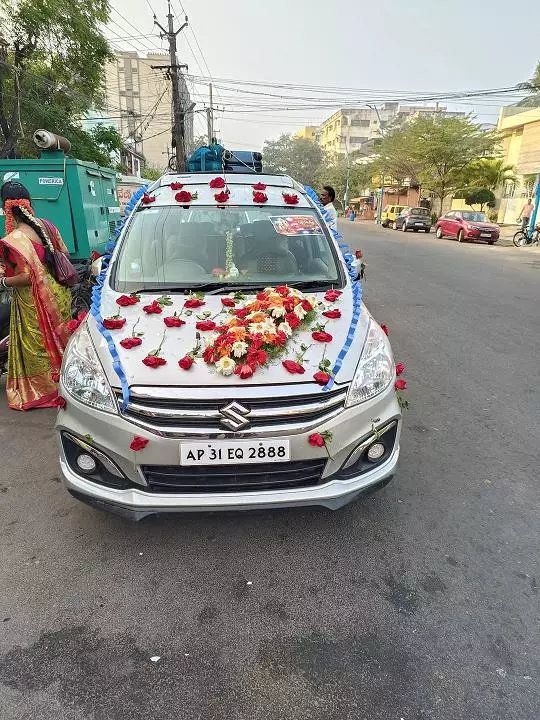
point(384, 49)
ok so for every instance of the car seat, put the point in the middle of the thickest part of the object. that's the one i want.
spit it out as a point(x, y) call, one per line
point(270, 254)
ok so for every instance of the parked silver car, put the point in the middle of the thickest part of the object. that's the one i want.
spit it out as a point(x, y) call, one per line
point(231, 364)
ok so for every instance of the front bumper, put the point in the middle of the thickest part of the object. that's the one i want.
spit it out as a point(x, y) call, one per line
point(111, 436)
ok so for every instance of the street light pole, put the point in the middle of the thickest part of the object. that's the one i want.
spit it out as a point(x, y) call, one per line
point(379, 209)
point(532, 223)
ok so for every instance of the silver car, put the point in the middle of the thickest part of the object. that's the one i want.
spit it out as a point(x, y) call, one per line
point(228, 361)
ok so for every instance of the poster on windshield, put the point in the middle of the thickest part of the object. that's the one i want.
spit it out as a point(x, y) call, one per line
point(293, 225)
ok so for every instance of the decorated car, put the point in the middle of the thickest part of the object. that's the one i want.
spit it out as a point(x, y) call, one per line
point(228, 360)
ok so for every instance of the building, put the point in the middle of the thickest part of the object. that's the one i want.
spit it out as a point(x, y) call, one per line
point(138, 95)
point(520, 130)
point(350, 130)
point(307, 133)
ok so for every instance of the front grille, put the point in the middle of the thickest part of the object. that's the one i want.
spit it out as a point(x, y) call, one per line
point(236, 478)
point(204, 416)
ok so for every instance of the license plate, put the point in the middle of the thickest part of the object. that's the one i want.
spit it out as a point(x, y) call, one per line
point(419, 223)
point(225, 452)
point(485, 235)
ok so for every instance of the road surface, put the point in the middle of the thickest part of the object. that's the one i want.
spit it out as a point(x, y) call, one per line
point(420, 602)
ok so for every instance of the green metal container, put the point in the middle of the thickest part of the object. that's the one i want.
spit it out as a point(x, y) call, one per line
point(78, 197)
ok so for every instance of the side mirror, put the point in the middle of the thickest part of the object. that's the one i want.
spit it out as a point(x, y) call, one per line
point(95, 268)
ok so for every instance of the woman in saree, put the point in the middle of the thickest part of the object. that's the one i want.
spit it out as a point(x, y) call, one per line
point(40, 306)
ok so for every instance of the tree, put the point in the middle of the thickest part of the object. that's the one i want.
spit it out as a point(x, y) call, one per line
point(151, 173)
point(51, 69)
point(480, 196)
point(489, 173)
point(533, 88)
point(435, 150)
point(335, 174)
point(297, 157)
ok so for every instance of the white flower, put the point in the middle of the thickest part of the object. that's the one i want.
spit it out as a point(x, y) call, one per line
point(211, 339)
point(277, 311)
point(239, 348)
point(312, 300)
point(286, 328)
point(261, 328)
point(225, 366)
point(300, 312)
point(296, 293)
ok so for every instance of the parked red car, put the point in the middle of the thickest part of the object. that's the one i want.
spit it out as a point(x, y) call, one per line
point(467, 225)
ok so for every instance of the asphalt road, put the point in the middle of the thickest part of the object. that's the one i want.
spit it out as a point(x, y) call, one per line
point(419, 602)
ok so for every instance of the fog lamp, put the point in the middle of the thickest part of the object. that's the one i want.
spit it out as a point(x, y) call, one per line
point(375, 451)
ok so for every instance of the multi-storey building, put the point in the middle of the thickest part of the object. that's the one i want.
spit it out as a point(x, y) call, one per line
point(139, 100)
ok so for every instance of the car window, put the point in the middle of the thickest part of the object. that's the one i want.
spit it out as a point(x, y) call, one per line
point(450, 215)
point(171, 245)
point(475, 216)
point(420, 211)
point(392, 209)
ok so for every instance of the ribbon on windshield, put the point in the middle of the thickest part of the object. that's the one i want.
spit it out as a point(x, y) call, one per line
point(356, 285)
point(95, 308)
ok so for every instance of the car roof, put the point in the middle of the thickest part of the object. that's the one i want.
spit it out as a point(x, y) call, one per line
point(239, 184)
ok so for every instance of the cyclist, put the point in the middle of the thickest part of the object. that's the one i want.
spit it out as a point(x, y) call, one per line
point(525, 215)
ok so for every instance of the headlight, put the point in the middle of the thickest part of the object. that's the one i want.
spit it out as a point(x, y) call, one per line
point(375, 370)
point(82, 374)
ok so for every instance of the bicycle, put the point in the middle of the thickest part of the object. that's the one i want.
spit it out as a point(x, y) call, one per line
point(522, 237)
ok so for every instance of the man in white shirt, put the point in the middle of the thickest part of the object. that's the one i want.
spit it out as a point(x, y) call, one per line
point(327, 197)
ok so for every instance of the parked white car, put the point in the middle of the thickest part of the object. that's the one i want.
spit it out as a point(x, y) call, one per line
point(229, 362)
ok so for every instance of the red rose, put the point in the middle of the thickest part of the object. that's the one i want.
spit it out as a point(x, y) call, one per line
point(259, 198)
point(153, 309)
point(359, 254)
point(242, 313)
point(217, 183)
point(60, 403)
point(323, 337)
point(244, 371)
point(222, 197)
point(206, 325)
point(316, 440)
point(130, 342)
point(72, 325)
point(172, 321)
point(290, 199)
point(55, 376)
point(385, 330)
point(148, 199)
point(176, 186)
point(293, 367)
point(306, 305)
point(209, 355)
point(227, 302)
point(259, 186)
point(184, 196)
point(153, 361)
point(400, 368)
point(126, 300)
point(138, 443)
point(262, 296)
point(293, 320)
point(401, 384)
point(288, 304)
point(332, 295)
point(322, 378)
point(193, 303)
point(186, 362)
point(114, 323)
point(283, 290)
point(332, 314)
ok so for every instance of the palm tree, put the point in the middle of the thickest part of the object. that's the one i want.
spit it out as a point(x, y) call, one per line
point(490, 174)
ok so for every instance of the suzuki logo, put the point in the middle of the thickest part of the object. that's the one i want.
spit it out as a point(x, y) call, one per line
point(234, 416)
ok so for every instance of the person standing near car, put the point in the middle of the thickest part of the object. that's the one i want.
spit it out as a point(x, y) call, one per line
point(525, 215)
point(40, 305)
point(327, 197)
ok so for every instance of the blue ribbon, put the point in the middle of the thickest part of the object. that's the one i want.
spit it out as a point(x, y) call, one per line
point(95, 308)
point(356, 285)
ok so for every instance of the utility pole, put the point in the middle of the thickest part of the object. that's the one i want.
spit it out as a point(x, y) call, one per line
point(210, 117)
point(381, 133)
point(178, 128)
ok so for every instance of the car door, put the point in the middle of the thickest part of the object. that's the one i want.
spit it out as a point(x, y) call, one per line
point(447, 223)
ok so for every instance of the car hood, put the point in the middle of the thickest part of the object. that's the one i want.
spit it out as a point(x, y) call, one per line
point(177, 342)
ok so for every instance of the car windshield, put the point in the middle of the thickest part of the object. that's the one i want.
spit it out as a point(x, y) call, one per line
point(175, 248)
point(423, 212)
point(474, 216)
